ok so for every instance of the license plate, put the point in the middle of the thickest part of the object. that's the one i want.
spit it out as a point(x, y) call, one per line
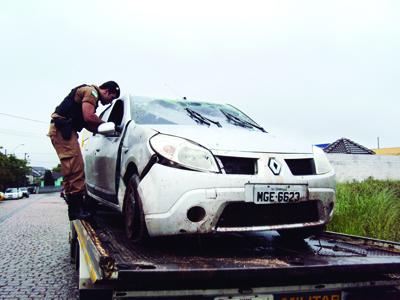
point(327, 295)
point(279, 193)
point(248, 297)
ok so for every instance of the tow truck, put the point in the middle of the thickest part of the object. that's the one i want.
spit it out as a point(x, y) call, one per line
point(245, 266)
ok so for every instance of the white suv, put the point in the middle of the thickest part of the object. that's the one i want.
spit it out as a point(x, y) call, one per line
point(188, 167)
point(13, 193)
point(25, 192)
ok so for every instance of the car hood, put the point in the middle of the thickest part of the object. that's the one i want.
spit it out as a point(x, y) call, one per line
point(229, 139)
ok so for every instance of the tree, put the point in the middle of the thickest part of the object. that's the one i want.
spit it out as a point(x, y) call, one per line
point(48, 178)
point(13, 171)
point(57, 169)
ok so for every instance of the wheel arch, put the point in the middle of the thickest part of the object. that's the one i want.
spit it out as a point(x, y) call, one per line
point(130, 170)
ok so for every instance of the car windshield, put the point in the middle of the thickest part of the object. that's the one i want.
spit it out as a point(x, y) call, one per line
point(11, 190)
point(186, 112)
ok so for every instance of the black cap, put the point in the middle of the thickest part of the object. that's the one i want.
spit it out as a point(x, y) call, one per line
point(112, 87)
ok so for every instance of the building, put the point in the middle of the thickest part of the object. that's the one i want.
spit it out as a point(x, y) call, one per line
point(388, 151)
point(58, 178)
point(347, 146)
point(38, 171)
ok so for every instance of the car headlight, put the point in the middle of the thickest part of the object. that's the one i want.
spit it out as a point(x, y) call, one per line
point(322, 164)
point(184, 152)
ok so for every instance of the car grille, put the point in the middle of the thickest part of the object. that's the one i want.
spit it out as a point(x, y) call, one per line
point(238, 165)
point(303, 166)
point(240, 214)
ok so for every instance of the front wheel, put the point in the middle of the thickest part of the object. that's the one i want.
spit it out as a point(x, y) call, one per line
point(135, 225)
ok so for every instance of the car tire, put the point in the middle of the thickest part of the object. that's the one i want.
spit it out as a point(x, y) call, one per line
point(301, 233)
point(134, 221)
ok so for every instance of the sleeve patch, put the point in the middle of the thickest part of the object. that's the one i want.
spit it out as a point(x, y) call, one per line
point(95, 94)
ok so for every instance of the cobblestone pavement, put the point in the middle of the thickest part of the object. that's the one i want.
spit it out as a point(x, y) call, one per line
point(34, 249)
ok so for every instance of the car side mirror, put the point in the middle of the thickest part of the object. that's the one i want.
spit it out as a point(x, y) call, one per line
point(107, 129)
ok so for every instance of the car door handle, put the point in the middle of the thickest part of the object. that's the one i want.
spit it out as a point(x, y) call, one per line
point(97, 150)
point(125, 149)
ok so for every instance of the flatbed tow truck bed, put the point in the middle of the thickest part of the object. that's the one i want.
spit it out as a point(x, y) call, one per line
point(231, 266)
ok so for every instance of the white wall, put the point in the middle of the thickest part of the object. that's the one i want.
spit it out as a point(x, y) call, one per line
point(359, 167)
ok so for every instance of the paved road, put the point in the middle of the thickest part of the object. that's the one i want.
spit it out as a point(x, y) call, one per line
point(34, 249)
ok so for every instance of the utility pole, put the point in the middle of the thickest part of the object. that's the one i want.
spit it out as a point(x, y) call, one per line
point(378, 141)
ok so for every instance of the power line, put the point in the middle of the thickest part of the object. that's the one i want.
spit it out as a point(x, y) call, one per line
point(23, 118)
point(37, 153)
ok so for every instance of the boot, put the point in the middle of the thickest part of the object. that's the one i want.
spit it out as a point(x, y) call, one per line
point(75, 208)
point(71, 207)
point(83, 213)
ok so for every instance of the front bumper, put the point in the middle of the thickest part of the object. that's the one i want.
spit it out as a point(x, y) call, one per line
point(169, 193)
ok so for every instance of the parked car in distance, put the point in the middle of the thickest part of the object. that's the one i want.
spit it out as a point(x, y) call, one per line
point(13, 193)
point(175, 167)
point(25, 192)
point(1, 196)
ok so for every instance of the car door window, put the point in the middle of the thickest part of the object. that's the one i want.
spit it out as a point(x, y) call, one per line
point(105, 114)
point(117, 113)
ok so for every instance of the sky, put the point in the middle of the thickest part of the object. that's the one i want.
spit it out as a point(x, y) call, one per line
point(308, 70)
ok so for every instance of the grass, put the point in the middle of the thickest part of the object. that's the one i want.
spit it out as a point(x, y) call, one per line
point(370, 208)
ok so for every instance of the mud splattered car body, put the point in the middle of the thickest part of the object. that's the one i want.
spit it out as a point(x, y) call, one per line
point(186, 167)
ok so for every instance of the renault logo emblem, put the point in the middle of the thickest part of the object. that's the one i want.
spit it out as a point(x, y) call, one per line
point(274, 165)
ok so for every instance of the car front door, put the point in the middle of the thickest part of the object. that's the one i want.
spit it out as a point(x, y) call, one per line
point(89, 143)
point(106, 153)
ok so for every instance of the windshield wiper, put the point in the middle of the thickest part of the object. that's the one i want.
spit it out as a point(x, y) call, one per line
point(200, 118)
point(240, 122)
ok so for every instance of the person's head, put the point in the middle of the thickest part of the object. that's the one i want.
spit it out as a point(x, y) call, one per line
point(108, 92)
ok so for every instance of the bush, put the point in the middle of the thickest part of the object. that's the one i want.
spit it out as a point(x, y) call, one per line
point(13, 171)
point(369, 208)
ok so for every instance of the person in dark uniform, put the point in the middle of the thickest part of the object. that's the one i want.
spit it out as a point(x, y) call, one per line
point(77, 111)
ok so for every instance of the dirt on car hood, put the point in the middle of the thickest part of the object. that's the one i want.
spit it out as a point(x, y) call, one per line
point(228, 139)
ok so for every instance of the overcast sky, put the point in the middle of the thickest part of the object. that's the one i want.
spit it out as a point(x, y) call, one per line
point(315, 70)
